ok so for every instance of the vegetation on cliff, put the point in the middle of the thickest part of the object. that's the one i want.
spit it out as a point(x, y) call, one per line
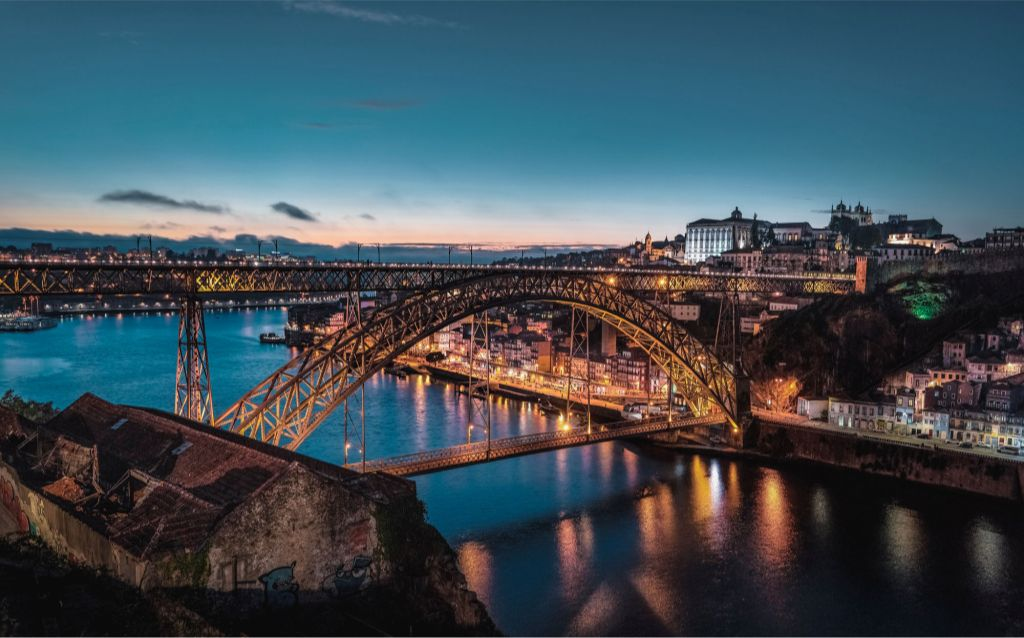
point(845, 345)
point(34, 411)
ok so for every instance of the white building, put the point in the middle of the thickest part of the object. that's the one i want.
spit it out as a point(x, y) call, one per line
point(712, 237)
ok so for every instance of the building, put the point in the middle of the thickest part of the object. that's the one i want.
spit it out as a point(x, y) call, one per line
point(858, 213)
point(684, 311)
point(903, 252)
point(792, 234)
point(712, 237)
point(987, 367)
point(937, 244)
point(787, 304)
point(1003, 396)
point(161, 501)
point(1005, 239)
point(954, 352)
point(863, 414)
point(900, 224)
point(812, 407)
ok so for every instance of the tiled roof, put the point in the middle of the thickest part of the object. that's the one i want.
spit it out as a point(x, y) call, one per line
point(193, 474)
point(12, 424)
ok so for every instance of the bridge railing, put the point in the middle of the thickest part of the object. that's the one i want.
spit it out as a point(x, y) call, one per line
point(499, 448)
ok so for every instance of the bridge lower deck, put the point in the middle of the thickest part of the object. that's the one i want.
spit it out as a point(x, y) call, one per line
point(480, 452)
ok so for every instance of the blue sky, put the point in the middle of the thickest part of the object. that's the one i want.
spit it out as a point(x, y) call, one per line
point(502, 122)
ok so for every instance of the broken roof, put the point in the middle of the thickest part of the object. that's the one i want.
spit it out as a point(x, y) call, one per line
point(186, 476)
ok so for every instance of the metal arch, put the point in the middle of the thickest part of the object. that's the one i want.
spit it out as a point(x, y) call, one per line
point(290, 404)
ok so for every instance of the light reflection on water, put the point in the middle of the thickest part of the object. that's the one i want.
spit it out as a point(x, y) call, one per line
point(610, 538)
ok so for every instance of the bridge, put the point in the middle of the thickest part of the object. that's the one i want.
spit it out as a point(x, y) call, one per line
point(286, 407)
point(485, 451)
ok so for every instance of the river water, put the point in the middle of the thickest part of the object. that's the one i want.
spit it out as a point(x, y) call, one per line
point(610, 538)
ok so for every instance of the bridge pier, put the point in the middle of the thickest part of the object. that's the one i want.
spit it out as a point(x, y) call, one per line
point(744, 431)
point(193, 397)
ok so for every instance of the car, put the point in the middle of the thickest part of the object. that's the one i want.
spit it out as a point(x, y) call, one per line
point(924, 436)
point(1008, 449)
point(966, 445)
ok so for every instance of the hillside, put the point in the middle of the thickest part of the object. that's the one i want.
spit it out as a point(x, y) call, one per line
point(846, 345)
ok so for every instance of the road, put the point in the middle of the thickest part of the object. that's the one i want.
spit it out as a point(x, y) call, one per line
point(910, 441)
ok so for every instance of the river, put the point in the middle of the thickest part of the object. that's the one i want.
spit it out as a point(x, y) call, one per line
point(609, 539)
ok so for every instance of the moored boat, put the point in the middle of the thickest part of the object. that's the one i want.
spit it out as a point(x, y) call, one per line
point(18, 322)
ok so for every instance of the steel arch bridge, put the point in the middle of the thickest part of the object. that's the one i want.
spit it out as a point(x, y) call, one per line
point(290, 404)
point(285, 408)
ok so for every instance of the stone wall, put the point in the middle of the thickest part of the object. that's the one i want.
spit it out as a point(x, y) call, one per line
point(40, 515)
point(872, 273)
point(946, 467)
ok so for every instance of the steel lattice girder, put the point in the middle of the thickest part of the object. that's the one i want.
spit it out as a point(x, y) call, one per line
point(193, 396)
point(93, 279)
point(289, 405)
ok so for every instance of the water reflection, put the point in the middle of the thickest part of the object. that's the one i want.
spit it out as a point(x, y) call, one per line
point(903, 542)
point(988, 550)
point(575, 541)
point(774, 521)
point(475, 563)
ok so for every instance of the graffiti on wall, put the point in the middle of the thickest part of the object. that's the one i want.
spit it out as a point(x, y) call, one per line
point(345, 582)
point(280, 587)
point(13, 504)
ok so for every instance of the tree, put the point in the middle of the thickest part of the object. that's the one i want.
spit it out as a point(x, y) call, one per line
point(32, 410)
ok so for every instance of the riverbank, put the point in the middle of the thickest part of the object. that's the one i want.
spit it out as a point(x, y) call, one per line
point(961, 471)
point(599, 410)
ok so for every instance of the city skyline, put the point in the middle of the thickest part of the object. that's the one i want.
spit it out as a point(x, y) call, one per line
point(556, 124)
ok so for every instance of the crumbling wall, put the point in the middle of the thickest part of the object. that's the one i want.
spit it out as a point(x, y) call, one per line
point(44, 516)
point(302, 528)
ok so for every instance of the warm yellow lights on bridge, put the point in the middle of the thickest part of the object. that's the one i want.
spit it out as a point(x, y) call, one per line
point(611, 280)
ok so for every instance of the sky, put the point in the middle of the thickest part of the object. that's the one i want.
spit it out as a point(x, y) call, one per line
point(502, 124)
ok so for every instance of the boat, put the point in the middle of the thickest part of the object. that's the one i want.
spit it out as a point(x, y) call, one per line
point(396, 371)
point(547, 407)
point(435, 357)
point(18, 322)
point(271, 337)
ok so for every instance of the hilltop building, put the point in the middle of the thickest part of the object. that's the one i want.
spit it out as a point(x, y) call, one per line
point(712, 237)
point(858, 213)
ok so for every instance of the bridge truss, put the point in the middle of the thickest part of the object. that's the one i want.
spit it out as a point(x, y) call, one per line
point(33, 278)
point(290, 404)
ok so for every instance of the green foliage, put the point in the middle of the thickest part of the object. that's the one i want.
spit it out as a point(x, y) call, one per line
point(846, 345)
point(32, 410)
point(403, 534)
point(923, 299)
point(189, 569)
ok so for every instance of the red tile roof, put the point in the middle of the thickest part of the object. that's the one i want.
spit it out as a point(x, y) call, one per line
point(191, 474)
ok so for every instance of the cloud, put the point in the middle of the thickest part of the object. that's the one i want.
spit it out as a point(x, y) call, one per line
point(293, 211)
point(367, 216)
point(145, 198)
point(218, 229)
point(161, 226)
point(370, 15)
point(384, 105)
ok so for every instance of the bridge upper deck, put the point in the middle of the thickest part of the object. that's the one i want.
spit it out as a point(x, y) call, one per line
point(80, 278)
